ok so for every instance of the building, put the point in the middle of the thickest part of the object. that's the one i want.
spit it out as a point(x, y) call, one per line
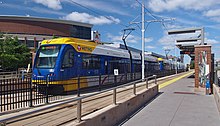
point(31, 30)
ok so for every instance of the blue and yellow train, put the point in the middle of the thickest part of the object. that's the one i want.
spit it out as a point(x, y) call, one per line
point(65, 59)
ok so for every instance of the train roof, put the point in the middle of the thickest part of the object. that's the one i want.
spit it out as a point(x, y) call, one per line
point(86, 46)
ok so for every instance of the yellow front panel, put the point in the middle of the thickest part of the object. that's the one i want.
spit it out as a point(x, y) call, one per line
point(79, 45)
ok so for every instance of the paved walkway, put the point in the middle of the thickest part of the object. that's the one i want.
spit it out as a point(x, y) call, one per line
point(178, 105)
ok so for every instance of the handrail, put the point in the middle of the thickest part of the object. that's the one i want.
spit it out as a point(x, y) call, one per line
point(80, 98)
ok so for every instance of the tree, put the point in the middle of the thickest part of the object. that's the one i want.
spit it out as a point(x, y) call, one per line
point(192, 64)
point(12, 54)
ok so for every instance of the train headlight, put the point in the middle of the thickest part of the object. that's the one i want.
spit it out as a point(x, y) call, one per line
point(51, 70)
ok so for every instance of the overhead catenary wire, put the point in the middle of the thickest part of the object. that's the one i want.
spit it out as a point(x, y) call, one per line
point(153, 16)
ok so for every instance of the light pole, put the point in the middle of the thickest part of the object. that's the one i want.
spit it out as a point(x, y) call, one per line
point(142, 35)
point(142, 40)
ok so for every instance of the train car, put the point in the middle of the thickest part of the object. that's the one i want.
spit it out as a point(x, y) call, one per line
point(63, 60)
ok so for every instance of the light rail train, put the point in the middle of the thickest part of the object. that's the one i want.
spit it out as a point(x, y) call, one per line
point(63, 60)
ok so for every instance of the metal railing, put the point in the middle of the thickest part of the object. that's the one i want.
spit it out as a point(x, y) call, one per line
point(217, 73)
point(22, 93)
point(79, 98)
point(14, 75)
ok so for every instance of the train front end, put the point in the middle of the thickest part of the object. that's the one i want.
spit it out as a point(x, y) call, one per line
point(45, 71)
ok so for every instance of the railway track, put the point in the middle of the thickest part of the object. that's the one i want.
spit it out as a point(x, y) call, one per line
point(63, 114)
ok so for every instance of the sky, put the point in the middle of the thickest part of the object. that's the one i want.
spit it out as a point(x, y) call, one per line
point(110, 17)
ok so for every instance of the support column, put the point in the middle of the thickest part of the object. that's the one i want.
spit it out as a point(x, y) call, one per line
point(198, 50)
point(35, 43)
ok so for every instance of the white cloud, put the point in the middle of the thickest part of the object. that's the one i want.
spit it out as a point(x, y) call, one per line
point(87, 18)
point(129, 39)
point(53, 4)
point(115, 39)
point(188, 22)
point(135, 5)
point(216, 19)
point(35, 9)
point(118, 38)
point(173, 26)
point(102, 5)
point(46, 11)
point(150, 47)
point(146, 40)
point(166, 40)
point(211, 41)
point(168, 47)
point(212, 13)
point(169, 5)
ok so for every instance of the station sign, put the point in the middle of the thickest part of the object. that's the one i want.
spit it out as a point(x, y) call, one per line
point(186, 52)
point(116, 72)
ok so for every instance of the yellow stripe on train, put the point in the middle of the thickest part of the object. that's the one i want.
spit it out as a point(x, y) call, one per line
point(68, 85)
point(79, 45)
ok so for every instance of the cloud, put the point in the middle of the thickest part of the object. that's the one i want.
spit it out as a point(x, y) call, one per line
point(212, 13)
point(87, 18)
point(188, 22)
point(166, 40)
point(211, 41)
point(135, 5)
point(170, 5)
point(46, 11)
point(34, 9)
point(150, 47)
point(170, 40)
point(168, 47)
point(130, 39)
point(53, 4)
point(100, 5)
point(115, 39)
point(174, 26)
point(146, 40)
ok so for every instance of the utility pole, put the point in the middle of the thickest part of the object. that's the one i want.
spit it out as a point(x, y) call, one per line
point(142, 39)
point(143, 31)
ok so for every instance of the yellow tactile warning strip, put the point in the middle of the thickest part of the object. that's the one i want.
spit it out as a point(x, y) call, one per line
point(174, 80)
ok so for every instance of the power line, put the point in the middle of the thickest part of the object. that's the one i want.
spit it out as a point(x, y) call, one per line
point(147, 10)
point(165, 27)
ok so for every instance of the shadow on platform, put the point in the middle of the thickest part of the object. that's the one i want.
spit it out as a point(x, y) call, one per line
point(138, 110)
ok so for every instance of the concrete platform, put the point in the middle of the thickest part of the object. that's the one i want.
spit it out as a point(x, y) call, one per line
point(179, 104)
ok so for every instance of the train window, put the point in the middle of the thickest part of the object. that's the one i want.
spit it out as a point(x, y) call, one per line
point(68, 59)
point(47, 56)
point(91, 62)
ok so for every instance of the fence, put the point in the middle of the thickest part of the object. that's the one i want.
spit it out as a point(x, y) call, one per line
point(13, 75)
point(217, 74)
point(22, 93)
point(80, 98)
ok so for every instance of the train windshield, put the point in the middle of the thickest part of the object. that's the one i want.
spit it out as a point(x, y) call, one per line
point(47, 56)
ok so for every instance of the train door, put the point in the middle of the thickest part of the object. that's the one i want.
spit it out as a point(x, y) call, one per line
point(67, 70)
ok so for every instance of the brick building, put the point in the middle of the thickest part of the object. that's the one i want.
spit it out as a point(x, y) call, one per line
point(31, 30)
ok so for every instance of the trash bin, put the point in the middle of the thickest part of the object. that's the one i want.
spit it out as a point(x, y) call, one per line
point(207, 86)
